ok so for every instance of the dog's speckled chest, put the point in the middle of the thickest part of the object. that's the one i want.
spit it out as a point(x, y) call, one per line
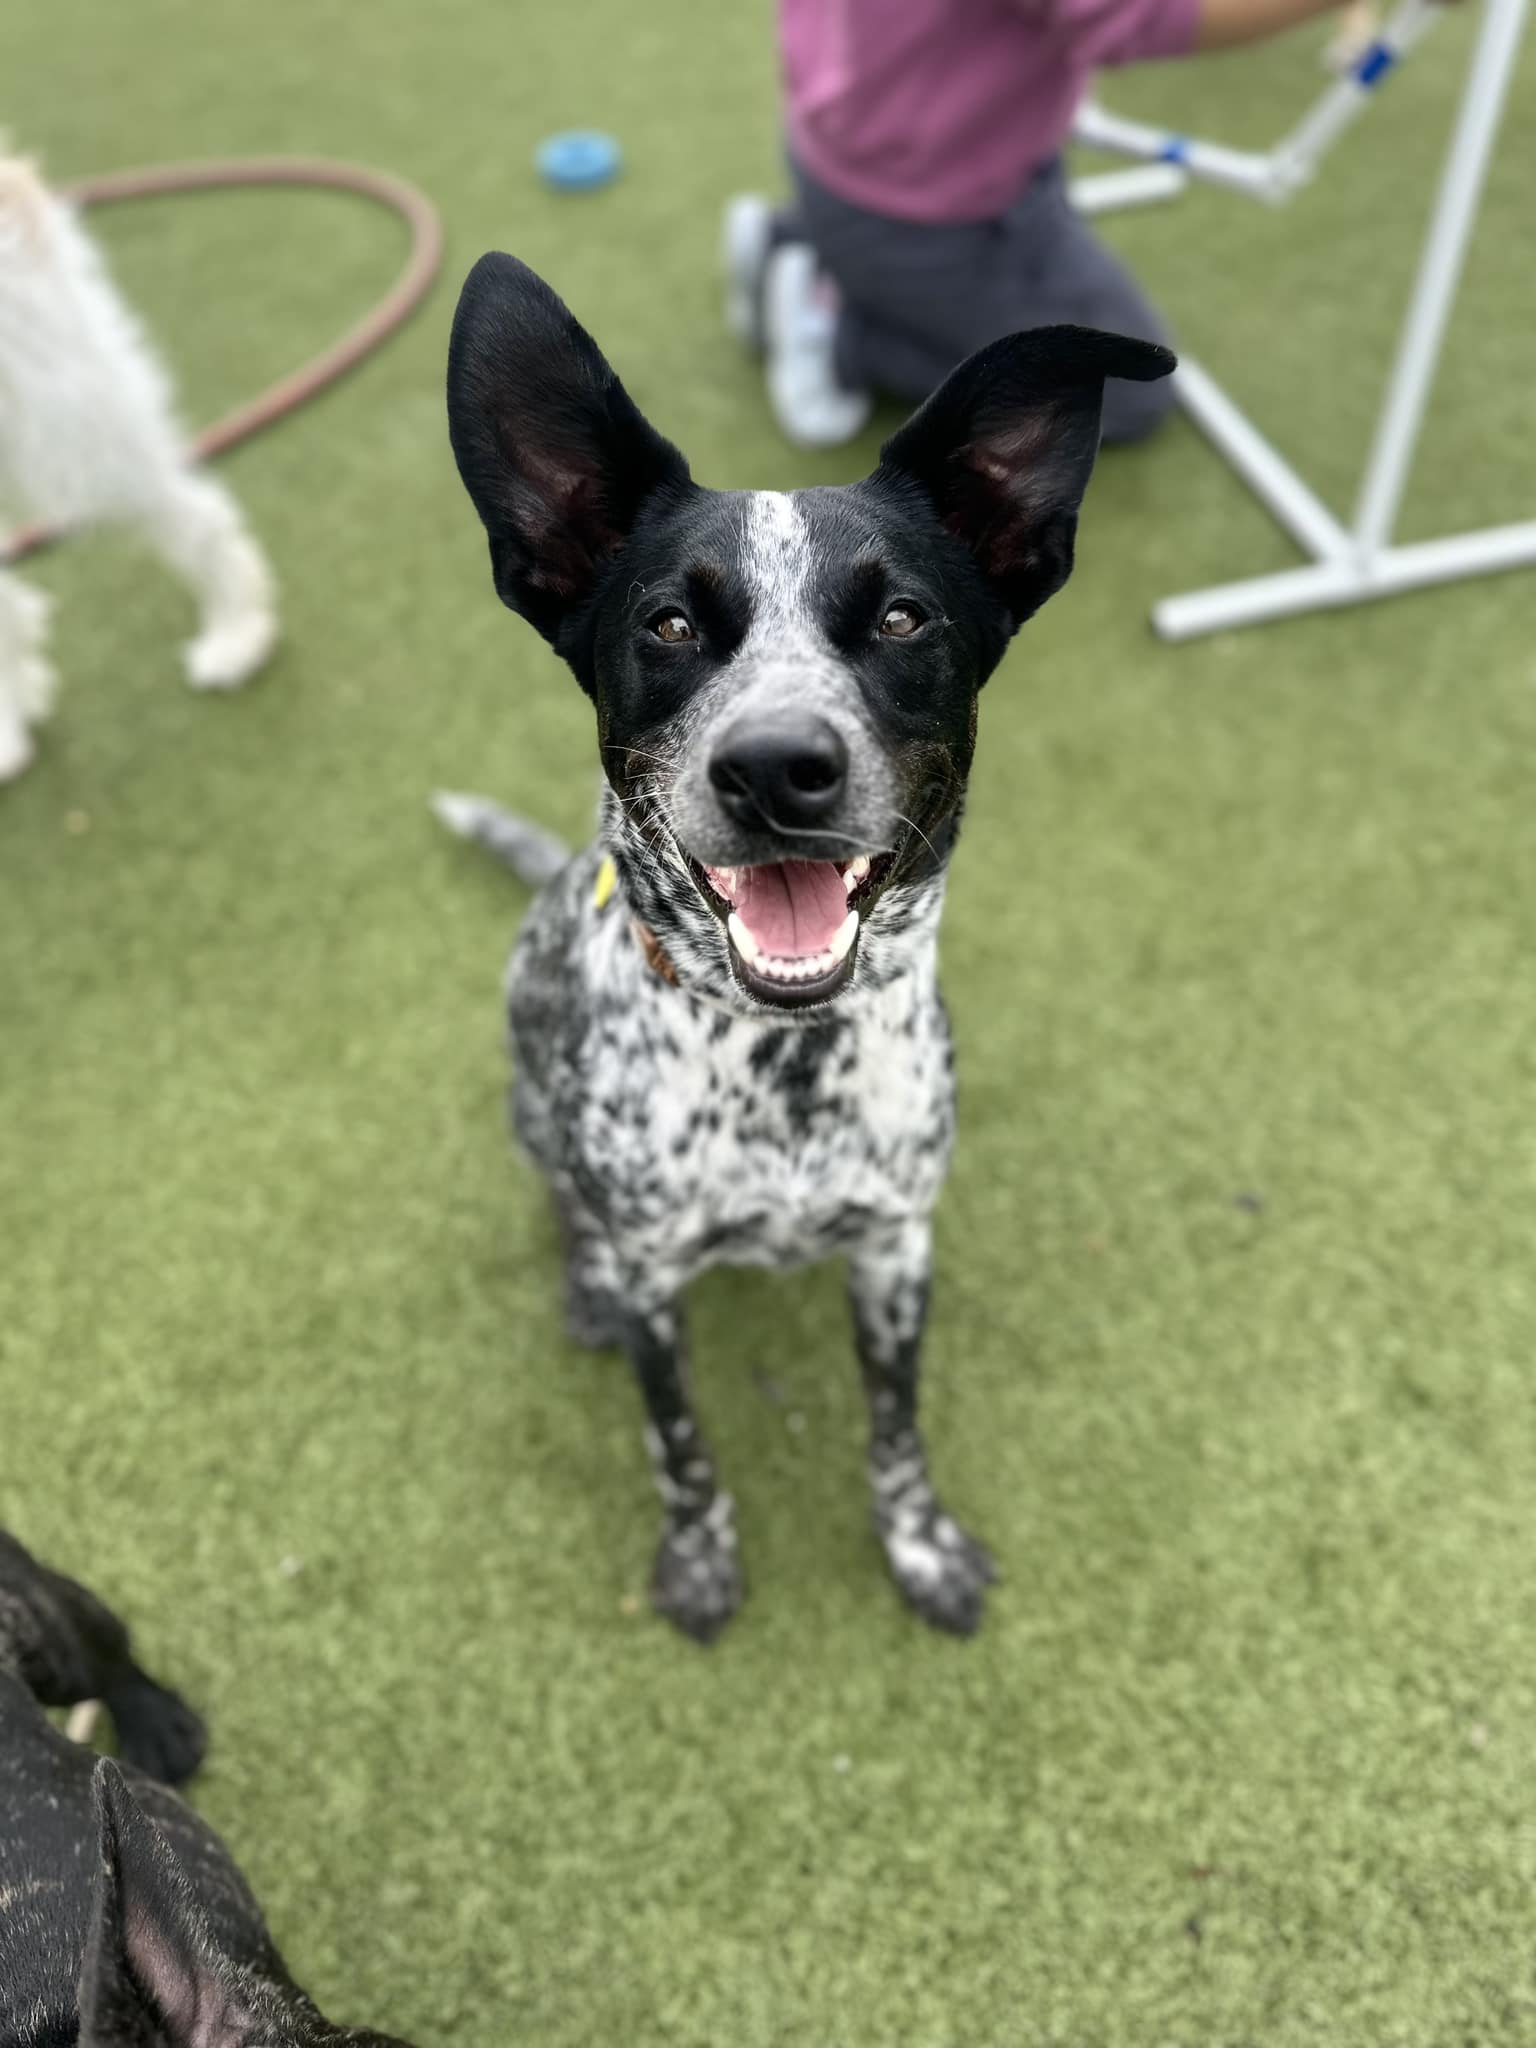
point(697, 1136)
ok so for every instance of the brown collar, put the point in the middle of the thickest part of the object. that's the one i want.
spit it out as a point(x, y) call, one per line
point(655, 955)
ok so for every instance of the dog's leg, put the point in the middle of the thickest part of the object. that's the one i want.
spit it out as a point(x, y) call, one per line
point(594, 1305)
point(196, 527)
point(697, 1581)
point(66, 1647)
point(27, 680)
point(943, 1572)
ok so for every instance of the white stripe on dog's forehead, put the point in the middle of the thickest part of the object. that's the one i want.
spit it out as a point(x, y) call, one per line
point(777, 549)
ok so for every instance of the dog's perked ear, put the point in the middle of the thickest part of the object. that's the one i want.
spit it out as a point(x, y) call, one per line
point(153, 1975)
point(555, 454)
point(1005, 446)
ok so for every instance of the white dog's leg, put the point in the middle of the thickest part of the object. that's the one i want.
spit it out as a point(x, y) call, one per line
point(195, 525)
point(27, 680)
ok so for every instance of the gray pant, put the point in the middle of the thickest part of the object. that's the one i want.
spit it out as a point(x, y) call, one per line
point(918, 298)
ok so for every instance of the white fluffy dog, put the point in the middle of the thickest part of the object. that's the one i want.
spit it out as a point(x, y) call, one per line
point(88, 434)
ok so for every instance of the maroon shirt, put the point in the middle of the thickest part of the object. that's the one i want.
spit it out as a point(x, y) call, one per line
point(943, 110)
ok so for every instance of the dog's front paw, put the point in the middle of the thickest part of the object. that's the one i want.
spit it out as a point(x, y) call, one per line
point(229, 654)
point(15, 748)
point(157, 1731)
point(943, 1573)
point(697, 1583)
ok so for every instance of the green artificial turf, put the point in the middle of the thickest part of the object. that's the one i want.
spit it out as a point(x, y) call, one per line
point(1231, 1356)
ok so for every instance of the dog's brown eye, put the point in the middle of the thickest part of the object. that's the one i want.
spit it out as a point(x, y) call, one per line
point(673, 628)
point(901, 621)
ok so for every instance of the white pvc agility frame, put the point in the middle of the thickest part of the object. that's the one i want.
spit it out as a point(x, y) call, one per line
point(1355, 563)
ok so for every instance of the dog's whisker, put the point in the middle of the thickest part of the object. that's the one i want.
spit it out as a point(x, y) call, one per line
point(653, 846)
point(914, 826)
point(634, 753)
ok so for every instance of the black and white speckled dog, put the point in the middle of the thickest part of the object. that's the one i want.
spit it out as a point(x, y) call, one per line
point(729, 1039)
point(124, 1922)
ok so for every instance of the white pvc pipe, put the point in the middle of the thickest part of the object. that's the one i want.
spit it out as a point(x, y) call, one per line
point(1337, 582)
point(1097, 128)
point(1141, 185)
point(1239, 169)
point(1434, 290)
point(1298, 156)
point(1262, 468)
point(1276, 174)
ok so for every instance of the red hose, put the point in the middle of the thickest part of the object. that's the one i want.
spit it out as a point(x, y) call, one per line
point(296, 389)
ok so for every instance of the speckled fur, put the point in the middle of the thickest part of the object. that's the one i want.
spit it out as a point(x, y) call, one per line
point(688, 1119)
point(679, 1132)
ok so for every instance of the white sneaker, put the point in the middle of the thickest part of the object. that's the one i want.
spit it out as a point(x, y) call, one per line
point(746, 235)
point(800, 331)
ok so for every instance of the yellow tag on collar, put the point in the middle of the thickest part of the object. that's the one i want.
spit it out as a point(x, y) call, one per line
point(607, 881)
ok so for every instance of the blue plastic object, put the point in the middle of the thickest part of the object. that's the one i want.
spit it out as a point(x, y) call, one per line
point(1374, 64)
point(579, 160)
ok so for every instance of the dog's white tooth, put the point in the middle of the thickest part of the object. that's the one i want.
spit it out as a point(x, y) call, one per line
point(844, 936)
point(743, 940)
point(855, 872)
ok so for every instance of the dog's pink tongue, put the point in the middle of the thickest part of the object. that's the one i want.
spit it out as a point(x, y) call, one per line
point(792, 908)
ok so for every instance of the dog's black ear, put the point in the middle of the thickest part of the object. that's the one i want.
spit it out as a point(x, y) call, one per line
point(1005, 446)
point(153, 1975)
point(555, 454)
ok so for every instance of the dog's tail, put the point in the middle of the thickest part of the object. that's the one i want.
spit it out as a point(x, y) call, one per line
point(534, 855)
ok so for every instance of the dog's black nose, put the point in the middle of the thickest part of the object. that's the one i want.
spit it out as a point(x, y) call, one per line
point(788, 775)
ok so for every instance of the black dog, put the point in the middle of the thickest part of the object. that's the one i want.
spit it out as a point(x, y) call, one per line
point(729, 1036)
point(124, 1922)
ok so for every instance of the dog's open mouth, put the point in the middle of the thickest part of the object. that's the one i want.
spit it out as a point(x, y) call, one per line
point(793, 925)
